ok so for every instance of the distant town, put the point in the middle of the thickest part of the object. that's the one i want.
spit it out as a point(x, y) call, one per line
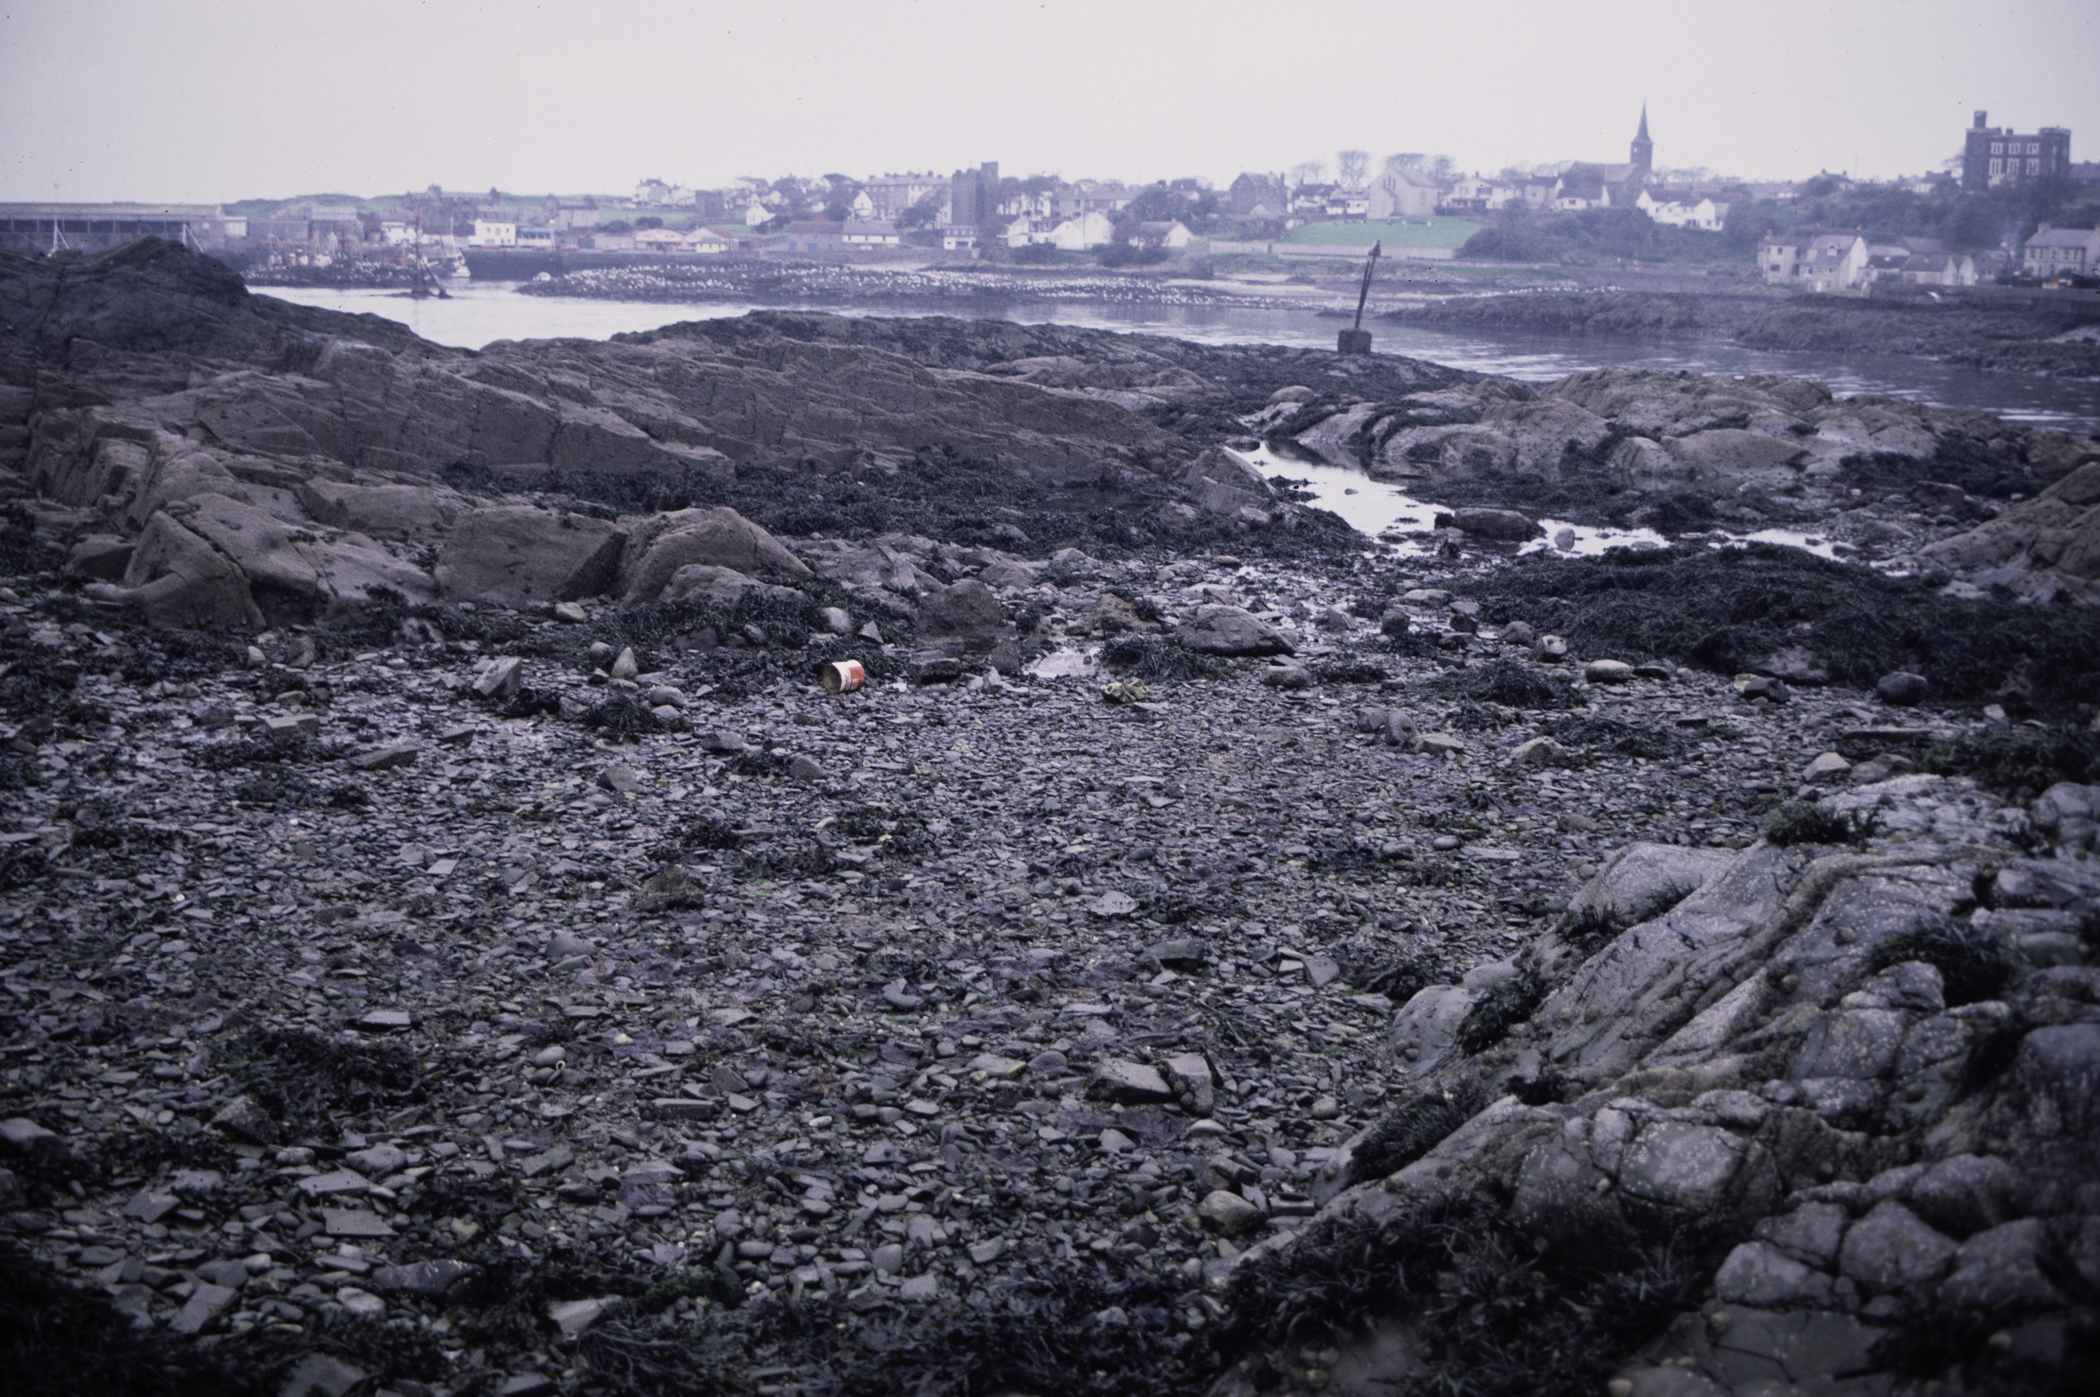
point(2011, 208)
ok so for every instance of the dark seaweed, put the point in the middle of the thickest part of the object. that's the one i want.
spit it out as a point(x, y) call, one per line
point(1412, 1130)
point(1727, 608)
point(1973, 964)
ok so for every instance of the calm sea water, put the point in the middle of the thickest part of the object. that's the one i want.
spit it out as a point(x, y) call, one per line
point(480, 313)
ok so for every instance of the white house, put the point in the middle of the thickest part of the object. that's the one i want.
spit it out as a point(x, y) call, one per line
point(1151, 234)
point(863, 207)
point(1025, 230)
point(1345, 203)
point(958, 237)
point(659, 240)
point(1682, 209)
point(1085, 231)
point(1814, 262)
point(1403, 194)
point(1581, 192)
point(1940, 269)
point(1477, 195)
point(2053, 250)
point(536, 238)
point(705, 240)
point(493, 233)
point(757, 214)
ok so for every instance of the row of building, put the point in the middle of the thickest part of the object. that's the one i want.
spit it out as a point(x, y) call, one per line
point(973, 204)
point(1847, 261)
point(1409, 191)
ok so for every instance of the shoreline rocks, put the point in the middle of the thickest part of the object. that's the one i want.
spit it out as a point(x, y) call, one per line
point(355, 958)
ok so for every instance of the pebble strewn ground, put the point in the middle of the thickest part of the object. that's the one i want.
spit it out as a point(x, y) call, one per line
point(890, 997)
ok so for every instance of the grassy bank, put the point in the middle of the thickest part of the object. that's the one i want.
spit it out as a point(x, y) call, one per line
point(1435, 232)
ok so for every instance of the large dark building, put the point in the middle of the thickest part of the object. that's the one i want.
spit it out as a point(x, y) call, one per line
point(973, 195)
point(2000, 155)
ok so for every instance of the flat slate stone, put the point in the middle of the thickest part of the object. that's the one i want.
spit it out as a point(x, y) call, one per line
point(685, 1108)
point(1131, 1082)
point(385, 758)
point(432, 1278)
point(339, 1181)
point(354, 1222)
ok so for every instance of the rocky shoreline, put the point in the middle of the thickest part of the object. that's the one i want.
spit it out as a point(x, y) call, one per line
point(788, 282)
point(2051, 340)
point(455, 944)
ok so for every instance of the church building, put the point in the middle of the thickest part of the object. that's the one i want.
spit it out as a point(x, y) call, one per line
point(1585, 185)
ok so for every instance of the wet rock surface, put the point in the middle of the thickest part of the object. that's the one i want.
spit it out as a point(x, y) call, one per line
point(571, 994)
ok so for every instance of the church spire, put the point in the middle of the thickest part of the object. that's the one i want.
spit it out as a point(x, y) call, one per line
point(1643, 150)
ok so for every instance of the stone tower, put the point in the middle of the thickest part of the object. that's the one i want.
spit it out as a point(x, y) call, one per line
point(1643, 151)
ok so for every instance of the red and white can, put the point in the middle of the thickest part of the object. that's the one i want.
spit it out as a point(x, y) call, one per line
point(843, 676)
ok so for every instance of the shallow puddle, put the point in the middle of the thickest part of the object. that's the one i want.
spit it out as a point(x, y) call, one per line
point(1403, 523)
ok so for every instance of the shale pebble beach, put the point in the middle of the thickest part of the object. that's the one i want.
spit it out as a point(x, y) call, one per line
point(455, 942)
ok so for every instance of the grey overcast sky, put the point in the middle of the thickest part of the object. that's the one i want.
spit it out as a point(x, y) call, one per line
point(216, 100)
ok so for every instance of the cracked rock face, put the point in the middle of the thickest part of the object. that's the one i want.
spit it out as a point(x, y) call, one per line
point(537, 984)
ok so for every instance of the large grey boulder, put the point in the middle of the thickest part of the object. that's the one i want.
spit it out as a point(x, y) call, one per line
point(2002, 1268)
point(1965, 1193)
point(517, 555)
point(1231, 630)
point(658, 547)
point(2047, 544)
point(1686, 1169)
point(1646, 880)
point(882, 565)
point(1757, 1273)
point(1223, 482)
point(1810, 1233)
point(723, 587)
point(294, 576)
point(1425, 1029)
point(1729, 456)
point(968, 609)
point(2069, 814)
point(383, 511)
point(178, 579)
point(1891, 1249)
point(1501, 525)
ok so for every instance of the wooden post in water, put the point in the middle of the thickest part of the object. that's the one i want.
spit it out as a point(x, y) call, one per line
point(1356, 339)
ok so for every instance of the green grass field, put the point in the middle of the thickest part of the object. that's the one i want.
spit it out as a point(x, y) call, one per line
point(1412, 232)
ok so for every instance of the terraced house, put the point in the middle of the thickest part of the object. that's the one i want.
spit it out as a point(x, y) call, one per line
point(1814, 262)
point(2054, 251)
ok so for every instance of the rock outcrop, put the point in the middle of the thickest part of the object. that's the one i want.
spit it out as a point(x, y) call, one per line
point(320, 457)
point(515, 555)
point(1794, 1055)
point(1650, 447)
point(658, 547)
point(2043, 547)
